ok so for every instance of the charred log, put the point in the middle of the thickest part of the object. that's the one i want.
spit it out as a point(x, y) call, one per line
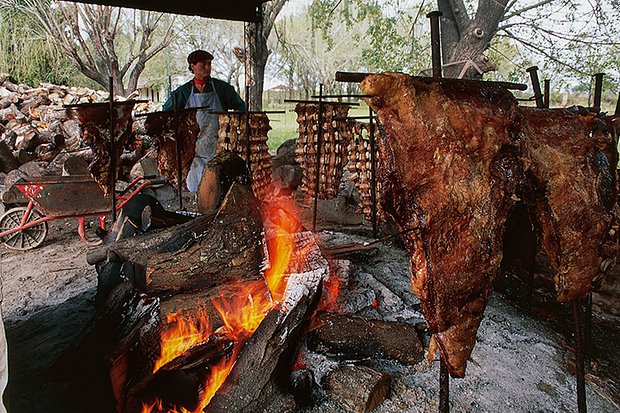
point(353, 338)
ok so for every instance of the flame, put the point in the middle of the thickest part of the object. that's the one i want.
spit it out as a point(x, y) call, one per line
point(219, 373)
point(284, 224)
point(241, 313)
point(183, 333)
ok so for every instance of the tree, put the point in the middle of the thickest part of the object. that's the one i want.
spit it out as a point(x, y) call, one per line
point(257, 52)
point(101, 41)
point(547, 28)
point(28, 57)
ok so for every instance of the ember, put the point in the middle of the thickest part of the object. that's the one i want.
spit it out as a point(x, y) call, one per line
point(241, 313)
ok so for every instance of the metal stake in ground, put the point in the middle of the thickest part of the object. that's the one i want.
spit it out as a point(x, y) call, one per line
point(579, 359)
point(112, 149)
point(319, 144)
point(533, 71)
point(435, 42)
point(248, 149)
point(444, 386)
point(598, 91)
point(547, 97)
point(373, 176)
point(177, 149)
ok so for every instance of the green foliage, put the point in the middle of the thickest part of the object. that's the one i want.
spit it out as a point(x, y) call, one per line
point(390, 29)
point(29, 58)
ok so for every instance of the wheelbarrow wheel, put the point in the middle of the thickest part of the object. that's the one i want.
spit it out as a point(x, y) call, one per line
point(25, 239)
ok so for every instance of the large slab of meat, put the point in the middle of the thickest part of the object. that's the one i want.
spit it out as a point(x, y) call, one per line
point(448, 170)
point(573, 191)
point(94, 120)
point(161, 127)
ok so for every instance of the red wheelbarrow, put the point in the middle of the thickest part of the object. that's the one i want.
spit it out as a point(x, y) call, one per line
point(56, 197)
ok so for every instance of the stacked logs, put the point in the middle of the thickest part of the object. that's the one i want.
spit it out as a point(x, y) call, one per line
point(333, 149)
point(360, 168)
point(37, 136)
point(233, 136)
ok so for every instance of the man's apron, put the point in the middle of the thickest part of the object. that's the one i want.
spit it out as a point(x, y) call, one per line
point(206, 144)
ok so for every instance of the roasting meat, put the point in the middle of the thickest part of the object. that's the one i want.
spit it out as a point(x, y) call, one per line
point(448, 168)
point(94, 119)
point(333, 150)
point(573, 191)
point(233, 136)
point(160, 126)
point(360, 162)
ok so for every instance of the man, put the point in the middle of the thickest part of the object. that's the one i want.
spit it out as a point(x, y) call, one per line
point(204, 91)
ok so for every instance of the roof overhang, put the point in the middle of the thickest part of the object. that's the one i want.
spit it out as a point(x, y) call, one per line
point(241, 10)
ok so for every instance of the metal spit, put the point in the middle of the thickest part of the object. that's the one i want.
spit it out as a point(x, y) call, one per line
point(112, 148)
point(538, 95)
point(320, 103)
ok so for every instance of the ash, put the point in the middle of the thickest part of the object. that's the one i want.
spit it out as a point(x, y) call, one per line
point(522, 361)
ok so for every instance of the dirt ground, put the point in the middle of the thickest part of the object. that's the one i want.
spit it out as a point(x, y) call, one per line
point(522, 362)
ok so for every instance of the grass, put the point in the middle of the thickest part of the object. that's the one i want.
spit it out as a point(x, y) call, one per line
point(284, 126)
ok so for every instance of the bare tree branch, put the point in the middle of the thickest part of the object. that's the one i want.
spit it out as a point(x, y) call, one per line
point(524, 9)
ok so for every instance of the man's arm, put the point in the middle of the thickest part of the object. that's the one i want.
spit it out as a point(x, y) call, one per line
point(230, 98)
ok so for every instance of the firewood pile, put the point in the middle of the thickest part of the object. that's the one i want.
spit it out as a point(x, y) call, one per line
point(33, 122)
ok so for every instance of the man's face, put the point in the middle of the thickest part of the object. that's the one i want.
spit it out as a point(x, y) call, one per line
point(202, 69)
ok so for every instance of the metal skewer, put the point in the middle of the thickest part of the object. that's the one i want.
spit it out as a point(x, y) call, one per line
point(435, 42)
point(538, 95)
point(373, 176)
point(177, 150)
point(547, 96)
point(112, 149)
point(444, 387)
point(579, 359)
point(319, 144)
point(598, 91)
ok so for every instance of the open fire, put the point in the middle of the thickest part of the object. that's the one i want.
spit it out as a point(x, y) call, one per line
point(241, 314)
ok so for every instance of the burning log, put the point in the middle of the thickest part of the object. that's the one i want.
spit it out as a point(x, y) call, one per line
point(230, 250)
point(361, 389)
point(353, 338)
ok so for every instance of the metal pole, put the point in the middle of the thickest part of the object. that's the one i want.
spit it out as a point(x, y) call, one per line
point(579, 359)
point(533, 71)
point(598, 90)
point(248, 149)
point(547, 96)
point(444, 387)
point(319, 144)
point(435, 42)
point(177, 149)
point(373, 176)
point(587, 324)
point(112, 149)
point(617, 112)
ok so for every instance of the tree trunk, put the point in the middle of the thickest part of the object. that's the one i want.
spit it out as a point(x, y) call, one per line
point(465, 39)
point(256, 35)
